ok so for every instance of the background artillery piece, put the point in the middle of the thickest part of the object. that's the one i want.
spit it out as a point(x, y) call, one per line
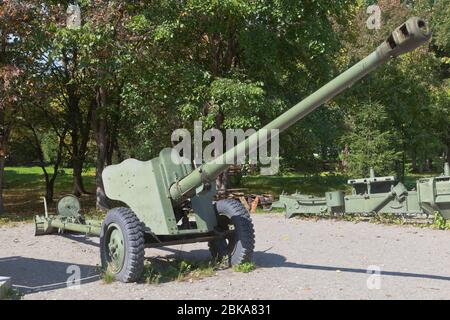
point(373, 195)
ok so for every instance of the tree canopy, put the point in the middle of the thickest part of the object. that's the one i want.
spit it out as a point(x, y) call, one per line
point(134, 71)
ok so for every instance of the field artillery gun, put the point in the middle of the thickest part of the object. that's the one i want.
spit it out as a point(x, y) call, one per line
point(160, 194)
point(376, 195)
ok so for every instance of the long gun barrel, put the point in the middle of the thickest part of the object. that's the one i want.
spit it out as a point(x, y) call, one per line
point(406, 38)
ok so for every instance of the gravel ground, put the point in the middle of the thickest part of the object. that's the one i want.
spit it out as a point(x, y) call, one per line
point(296, 259)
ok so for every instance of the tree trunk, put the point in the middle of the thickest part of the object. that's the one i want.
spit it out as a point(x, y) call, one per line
point(414, 164)
point(77, 161)
point(421, 167)
point(78, 187)
point(113, 128)
point(5, 130)
point(448, 159)
point(222, 181)
point(401, 173)
point(79, 127)
point(3, 44)
point(101, 199)
point(120, 157)
point(344, 161)
point(79, 149)
point(81, 154)
point(2, 170)
point(112, 145)
point(448, 147)
point(100, 135)
point(109, 150)
point(50, 183)
point(429, 164)
point(49, 189)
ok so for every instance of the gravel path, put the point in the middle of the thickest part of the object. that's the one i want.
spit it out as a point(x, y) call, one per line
point(296, 259)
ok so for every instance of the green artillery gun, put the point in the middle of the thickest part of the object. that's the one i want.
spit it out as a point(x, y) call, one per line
point(162, 193)
point(376, 195)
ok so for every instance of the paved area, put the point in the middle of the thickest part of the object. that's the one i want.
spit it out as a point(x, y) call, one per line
point(296, 259)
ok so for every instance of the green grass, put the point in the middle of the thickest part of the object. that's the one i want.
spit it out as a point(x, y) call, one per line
point(440, 222)
point(410, 180)
point(25, 186)
point(309, 184)
point(160, 270)
point(12, 294)
point(437, 222)
point(166, 270)
point(245, 267)
point(291, 183)
point(33, 177)
point(107, 277)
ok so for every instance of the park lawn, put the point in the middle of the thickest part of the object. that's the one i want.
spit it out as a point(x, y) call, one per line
point(290, 183)
point(25, 187)
point(310, 184)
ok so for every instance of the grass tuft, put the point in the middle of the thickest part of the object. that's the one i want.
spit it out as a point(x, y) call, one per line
point(107, 277)
point(167, 270)
point(12, 220)
point(13, 294)
point(244, 267)
point(439, 222)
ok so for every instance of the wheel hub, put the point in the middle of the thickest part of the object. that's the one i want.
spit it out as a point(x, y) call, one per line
point(116, 249)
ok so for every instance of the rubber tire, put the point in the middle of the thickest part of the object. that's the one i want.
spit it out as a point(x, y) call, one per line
point(133, 234)
point(244, 245)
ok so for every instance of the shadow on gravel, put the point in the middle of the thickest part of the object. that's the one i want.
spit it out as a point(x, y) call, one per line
point(78, 237)
point(193, 255)
point(34, 275)
point(272, 260)
point(264, 259)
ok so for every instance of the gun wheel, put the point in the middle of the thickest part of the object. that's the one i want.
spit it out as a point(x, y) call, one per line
point(238, 242)
point(122, 245)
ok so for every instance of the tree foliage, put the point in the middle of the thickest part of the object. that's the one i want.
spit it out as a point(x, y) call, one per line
point(134, 71)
